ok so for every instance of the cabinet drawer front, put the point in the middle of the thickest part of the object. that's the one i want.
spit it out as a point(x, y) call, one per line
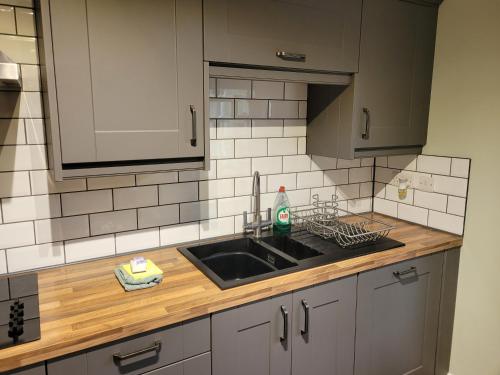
point(32, 370)
point(152, 350)
point(320, 35)
point(199, 365)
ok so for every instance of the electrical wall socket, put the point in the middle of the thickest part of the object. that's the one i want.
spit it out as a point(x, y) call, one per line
point(424, 183)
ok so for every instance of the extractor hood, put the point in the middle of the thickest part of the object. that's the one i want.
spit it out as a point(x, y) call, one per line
point(10, 74)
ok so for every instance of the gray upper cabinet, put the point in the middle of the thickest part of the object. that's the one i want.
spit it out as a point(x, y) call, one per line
point(385, 110)
point(323, 329)
point(127, 79)
point(294, 34)
point(397, 318)
point(308, 332)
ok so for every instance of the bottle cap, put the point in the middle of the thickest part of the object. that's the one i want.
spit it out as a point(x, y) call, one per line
point(282, 189)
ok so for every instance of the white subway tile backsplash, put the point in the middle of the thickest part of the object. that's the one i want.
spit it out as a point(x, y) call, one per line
point(250, 148)
point(359, 206)
point(267, 128)
point(448, 223)
point(95, 183)
point(385, 175)
point(367, 162)
point(158, 216)
point(385, 207)
point(86, 202)
point(209, 174)
point(336, 177)
point(343, 163)
point(12, 132)
point(175, 234)
point(23, 158)
point(176, 193)
point(216, 189)
point(296, 163)
point(433, 201)
point(233, 206)
point(302, 109)
point(25, 21)
point(456, 205)
point(366, 189)
point(14, 184)
point(234, 129)
point(269, 165)
point(282, 146)
point(298, 197)
point(324, 193)
point(294, 128)
point(221, 108)
point(212, 87)
point(65, 228)
point(414, 214)
point(234, 88)
point(243, 185)
point(7, 20)
point(233, 168)
point(157, 178)
point(289, 181)
point(21, 49)
point(309, 179)
point(31, 208)
point(460, 167)
point(250, 108)
point(357, 175)
point(295, 91)
point(213, 129)
point(3, 262)
point(42, 182)
point(322, 163)
point(112, 222)
point(379, 190)
point(267, 90)
point(89, 248)
point(200, 210)
point(434, 164)
point(450, 185)
point(17, 234)
point(222, 149)
point(283, 109)
point(36, 256)
point(301, 145)
point(381, 161)
point(407, 162)
point(35, 131)
point(137, 240)
point(345, 192)
point(216, 227)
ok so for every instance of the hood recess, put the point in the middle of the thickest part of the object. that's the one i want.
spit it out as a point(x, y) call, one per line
point(10, 74)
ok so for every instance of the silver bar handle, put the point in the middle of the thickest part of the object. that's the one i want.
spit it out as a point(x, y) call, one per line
point(365, 134)
point(291, 56)
point(193, 124)
point(304, 331)
point(398, 274)
point(284, 314)
point(156, 347)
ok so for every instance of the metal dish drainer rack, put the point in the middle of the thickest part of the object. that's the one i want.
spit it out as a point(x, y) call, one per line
point(328, 220)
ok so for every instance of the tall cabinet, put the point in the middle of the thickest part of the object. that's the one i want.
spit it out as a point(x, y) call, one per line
point(125, 84)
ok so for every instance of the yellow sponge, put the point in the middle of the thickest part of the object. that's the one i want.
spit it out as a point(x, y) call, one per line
point(151, 270)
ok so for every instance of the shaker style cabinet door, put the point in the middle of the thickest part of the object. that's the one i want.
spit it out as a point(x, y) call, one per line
point(324, 329)
point(298, 34)
point(253, 339)
point(31, 370)
point(129, 79)
point(393, 86)
point(397, 318)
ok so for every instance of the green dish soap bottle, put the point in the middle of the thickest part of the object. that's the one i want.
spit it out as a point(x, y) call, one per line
point(282, 222)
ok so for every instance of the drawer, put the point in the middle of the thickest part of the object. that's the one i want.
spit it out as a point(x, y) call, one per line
point(405, 271)
point(32, 370)
point(152, 350)
point(199, 365)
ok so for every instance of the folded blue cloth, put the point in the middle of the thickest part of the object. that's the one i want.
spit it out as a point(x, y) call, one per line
point(129, 283)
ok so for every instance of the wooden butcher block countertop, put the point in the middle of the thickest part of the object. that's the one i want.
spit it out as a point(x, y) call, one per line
point(83, 305)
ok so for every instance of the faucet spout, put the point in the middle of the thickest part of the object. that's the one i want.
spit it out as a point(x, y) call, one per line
point(257, 224)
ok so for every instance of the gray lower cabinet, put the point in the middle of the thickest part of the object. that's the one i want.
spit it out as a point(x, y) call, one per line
point(31, 370)
point(124, 82)
point(397, 318)
point(306, 332)
point(385, 110)
point(164, 351)
point(314, 35)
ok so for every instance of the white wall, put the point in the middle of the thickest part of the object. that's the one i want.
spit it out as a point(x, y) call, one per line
point(465, 122)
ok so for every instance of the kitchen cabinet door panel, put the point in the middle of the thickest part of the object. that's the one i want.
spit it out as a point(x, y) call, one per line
point(32, 370)
point(324, 345)
point(246, 340)
point(395, 73)
point(251, 32)
point(397, 318)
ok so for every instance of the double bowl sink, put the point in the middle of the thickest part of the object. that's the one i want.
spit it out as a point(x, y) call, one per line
point(247, 259)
